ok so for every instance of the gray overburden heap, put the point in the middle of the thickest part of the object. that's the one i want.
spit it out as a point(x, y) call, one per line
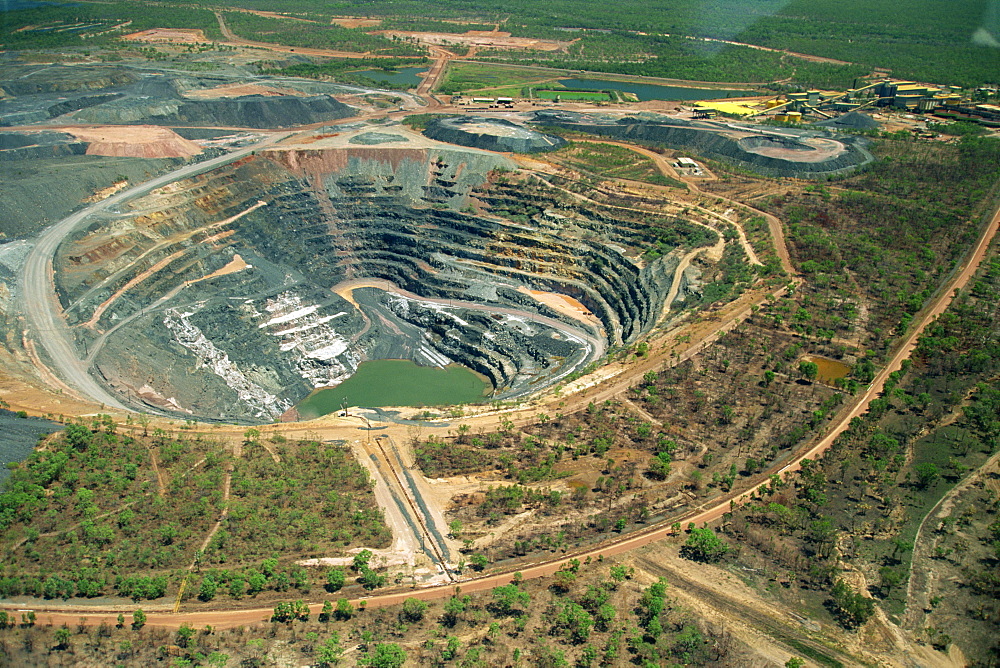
point(116, 95)
point(771, 151)
point(491, 134)
point(251, 111)
point(852, 120)
point(17, 146)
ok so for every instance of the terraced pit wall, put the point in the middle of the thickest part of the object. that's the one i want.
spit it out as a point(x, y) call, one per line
point(236, 293)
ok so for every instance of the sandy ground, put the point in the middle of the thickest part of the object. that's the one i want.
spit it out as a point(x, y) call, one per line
point(169, 36)
point(135, 141)
point(235, 265)
point(563, 304)
point(354, 22)
point(479, 39)
point(239, 90)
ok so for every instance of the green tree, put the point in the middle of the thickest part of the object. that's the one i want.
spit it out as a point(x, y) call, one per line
point(329, 652)
point(361, 560)
point(450, 650)
point(507, 599)
point(327, 612)
point(453, 609)
point(574, 621)
point(795, 662)
point(809, 370)
point(384, 655)
point(184, 635)
point(852, 608)
point(413, 609)
point(62, 638)
point(659, 466)
point(704, 545)
point(208, 588)
point(217, 659)
point(927, 473)
point(256, 581)
point(344, 609)
point(370, 579)
point(334, 580)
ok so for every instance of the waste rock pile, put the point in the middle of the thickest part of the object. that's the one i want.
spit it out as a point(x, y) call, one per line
point(792, 152)
point(491, 134)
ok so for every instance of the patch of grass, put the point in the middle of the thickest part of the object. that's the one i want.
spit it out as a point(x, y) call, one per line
point(467, 77)
point(596, 96)
point(611, 161)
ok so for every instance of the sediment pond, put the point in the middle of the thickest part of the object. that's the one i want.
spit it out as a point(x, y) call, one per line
point(652, 91)
point(829, 370)
point(404, 75)
point(398, 383)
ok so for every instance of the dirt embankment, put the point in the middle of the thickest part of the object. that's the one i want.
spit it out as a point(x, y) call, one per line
point(143, 141)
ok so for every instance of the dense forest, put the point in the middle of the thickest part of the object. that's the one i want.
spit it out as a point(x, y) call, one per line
point(56, 26)
point(920, 39)
point(98, 511)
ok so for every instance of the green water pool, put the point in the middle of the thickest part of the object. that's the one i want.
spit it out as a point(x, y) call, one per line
point(398, 383)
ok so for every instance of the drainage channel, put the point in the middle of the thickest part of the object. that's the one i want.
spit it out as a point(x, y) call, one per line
point(426, 534)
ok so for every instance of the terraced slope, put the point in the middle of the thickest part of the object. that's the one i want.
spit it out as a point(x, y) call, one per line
point(234, 294)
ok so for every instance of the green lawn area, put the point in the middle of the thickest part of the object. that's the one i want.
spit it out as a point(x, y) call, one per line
point(467, 77)
point(596, 96)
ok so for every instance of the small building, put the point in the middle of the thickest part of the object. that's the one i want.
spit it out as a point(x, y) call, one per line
point(687, 163)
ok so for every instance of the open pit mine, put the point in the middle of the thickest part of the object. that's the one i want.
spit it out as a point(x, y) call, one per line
point(236, 293)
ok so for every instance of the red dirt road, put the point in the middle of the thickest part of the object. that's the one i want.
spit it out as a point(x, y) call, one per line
point(233, 618)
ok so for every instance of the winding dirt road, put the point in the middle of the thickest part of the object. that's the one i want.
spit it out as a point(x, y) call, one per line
point(40, 303)
point(233, 618)
point(50, 329)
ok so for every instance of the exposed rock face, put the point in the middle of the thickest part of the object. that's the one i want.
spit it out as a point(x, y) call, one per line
point(252, 111)
point(491, 134)
point(775, 152)
point(136, 142)
point(16, 147)
point(69, 79)
point(349, 253)
point(109, 95)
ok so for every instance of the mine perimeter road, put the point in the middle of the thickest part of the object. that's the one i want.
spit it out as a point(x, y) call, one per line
point(233, 618)
point(37, 280)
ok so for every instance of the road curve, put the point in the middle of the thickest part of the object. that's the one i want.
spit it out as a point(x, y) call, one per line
point(233, 618)
point(40, 304)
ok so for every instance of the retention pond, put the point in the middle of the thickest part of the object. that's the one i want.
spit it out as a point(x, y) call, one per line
point(652, 91)
point(398, 383)
point(405, 75)
point(829, 370)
